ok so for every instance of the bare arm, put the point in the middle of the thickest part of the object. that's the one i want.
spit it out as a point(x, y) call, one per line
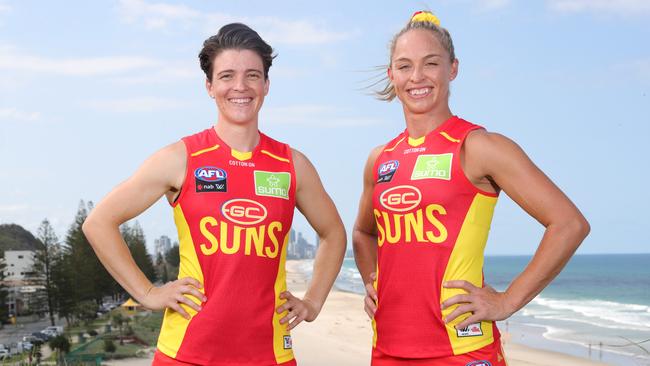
point(162, 173)
point(495, 156)
point(319, 210)
point(364, 235)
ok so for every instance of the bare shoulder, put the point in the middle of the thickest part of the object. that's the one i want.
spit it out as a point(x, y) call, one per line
point(491, 153)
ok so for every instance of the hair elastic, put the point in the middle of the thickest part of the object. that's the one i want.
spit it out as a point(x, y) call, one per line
point(425, 16)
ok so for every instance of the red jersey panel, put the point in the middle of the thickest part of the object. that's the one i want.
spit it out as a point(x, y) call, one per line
point(432, 226)
point(233, 217)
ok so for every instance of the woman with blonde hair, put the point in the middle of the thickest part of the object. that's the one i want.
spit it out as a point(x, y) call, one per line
point(425, 214)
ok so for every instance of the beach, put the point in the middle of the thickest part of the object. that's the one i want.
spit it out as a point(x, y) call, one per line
point(342, 334)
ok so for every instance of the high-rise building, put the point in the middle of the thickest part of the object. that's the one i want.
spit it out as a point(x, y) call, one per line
point(162, 246)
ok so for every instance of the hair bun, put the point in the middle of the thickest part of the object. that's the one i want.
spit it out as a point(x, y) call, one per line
point(425, 16)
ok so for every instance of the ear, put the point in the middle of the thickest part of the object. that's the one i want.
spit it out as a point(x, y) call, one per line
point(454, 70)
point(267, 83)
point(208, 87)
point(389, 72)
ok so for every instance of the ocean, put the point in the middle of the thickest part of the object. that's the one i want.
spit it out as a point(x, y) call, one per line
point(598, 307)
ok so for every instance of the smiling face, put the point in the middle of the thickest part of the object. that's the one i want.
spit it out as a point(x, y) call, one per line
point(421, 71)
point(238, 85)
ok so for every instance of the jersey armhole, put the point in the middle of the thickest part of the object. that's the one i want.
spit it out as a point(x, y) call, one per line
point(457, 162)
point(183, 187)
point(294, 178)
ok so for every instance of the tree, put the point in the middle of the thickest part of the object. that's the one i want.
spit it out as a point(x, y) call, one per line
point(44, 261)
point(4, 311)
point(136, 241)
point(61, 345)
point(109, 346)
point(90, 278)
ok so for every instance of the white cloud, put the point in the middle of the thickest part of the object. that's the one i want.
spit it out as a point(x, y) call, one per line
point(156, 15)
point(311, 115)
point(605, 7)
point(9, 209)
point(13, 114)
point(493, 4)
point(161, 16)
point(92, 66)
point(138, 104)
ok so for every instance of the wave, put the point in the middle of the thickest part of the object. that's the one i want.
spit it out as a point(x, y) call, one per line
point(607, 314)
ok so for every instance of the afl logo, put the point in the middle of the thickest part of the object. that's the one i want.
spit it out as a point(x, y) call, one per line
point(243, 211)
point(401, 198)
point(388, 167)
point(210, 174)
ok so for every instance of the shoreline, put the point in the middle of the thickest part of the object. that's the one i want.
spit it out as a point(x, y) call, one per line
point(344, 329)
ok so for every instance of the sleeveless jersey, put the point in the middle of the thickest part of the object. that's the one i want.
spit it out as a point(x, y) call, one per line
point(233, 217)
point(432, 226)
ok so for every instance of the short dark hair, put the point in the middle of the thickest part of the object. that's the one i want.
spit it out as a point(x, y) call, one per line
point(235, 36)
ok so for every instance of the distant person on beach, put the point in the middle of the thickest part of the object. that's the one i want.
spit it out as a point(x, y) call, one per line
point(425, 213)
point(233, 191)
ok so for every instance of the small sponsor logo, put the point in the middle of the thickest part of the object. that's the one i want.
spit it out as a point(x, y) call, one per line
point(272, 184)
point(210, 179)
point(387, 170)
point(436, 166)
point(400, 198)
point(479, 363)
point(472, 330)
point(244, 211)
point(287, 342)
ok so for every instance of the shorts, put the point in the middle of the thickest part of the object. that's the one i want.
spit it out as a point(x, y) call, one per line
point(490, 355)
point(161, 359)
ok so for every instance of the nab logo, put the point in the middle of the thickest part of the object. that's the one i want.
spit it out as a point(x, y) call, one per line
point(401, 198)
point(243, 211)
point(388, 167)
point(210, 174)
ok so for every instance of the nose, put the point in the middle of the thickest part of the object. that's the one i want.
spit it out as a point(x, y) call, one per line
point(417, 75)
point(240, 83)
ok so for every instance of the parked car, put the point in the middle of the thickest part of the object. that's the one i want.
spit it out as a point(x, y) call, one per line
point(50, 333)
point(42, 337)
point(24, 346)
point(4, 354)
point(57, 328)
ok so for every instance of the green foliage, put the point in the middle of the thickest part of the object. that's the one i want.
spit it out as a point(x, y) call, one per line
point(109, 346)
point(61, 345)
point(42, 273)
point(173, 256)
point(15, 237)
point(4, 309)
point(134, 237)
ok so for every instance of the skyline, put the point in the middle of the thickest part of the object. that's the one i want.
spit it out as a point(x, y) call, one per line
point(82, 107)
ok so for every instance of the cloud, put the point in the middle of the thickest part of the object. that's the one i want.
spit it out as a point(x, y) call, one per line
point(155, 15)
point(13, 114)
point(493, 4)
point(605, 7)
point(137, 104)
point(637, 69)
point(93, 66)
point(10, 209)
point(162, 16)
point(311, 115)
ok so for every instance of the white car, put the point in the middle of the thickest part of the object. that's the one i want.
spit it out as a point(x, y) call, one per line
point(4, 353)
point(50, 332)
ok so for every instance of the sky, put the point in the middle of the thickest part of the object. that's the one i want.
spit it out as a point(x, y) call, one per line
point(89, 90)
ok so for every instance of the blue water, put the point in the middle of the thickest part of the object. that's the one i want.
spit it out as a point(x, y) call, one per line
point(598, 307)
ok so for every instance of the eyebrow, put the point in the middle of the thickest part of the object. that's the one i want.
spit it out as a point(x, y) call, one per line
point(431, 55)
point(231, 70)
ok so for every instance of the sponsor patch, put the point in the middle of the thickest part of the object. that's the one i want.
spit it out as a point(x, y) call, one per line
point(287, 342)
point(400, 198)
point(472, 330)
point(272, 184)
point(387, 170)
point(210, 179)
point(479, 363)
point(435, 166)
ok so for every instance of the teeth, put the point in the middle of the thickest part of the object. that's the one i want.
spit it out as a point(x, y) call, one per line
point(419, 91)
point(240, 100)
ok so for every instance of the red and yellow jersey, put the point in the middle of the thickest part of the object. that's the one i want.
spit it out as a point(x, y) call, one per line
point(432, 226)
point(233, 217)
